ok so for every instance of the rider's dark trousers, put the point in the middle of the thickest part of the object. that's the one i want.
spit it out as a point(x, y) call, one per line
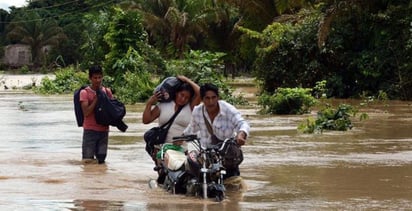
point(232, 172)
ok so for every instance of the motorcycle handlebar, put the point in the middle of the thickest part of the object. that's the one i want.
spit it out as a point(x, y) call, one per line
point(185, 138)
point(222, 144)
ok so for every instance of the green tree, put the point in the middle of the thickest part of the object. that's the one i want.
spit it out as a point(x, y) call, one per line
point(360, 49)
point(223, 35)
point(366, 42)
point(31, 29)
point(127, 41)
point(70, 16)
point(4, 19)
point(288, 55)
point(254, 15)
point(174, 25)
point(94, 48)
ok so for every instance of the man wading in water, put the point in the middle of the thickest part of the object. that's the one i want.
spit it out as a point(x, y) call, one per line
point(95, 136)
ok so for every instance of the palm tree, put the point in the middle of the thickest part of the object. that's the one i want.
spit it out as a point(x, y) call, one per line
point(173, 25)
point(37, 32)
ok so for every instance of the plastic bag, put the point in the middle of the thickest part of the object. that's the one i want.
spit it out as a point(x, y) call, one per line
point(168, 88)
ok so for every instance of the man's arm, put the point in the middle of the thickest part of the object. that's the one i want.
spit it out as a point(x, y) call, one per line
point(242, 128)
point(86, 107)
point(193, 126)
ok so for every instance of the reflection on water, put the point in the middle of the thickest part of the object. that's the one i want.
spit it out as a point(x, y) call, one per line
point(369, 167)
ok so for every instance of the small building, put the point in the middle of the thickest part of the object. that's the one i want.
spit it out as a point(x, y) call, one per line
point(17, 55)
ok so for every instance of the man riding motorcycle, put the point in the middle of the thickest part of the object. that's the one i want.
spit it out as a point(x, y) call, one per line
point(224, 121)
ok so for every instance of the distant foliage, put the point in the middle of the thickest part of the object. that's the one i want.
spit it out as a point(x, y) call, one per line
point(287, 55)
point(129, 47)
point(94, 47)
point(137, 87)
point(365, 49)
point(358, 48)
point(131, 62)
point(33, 29)
point(287, 101)
point(204, 67)
point(67, 80)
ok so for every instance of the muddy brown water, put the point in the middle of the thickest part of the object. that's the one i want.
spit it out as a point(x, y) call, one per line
point(366, 168)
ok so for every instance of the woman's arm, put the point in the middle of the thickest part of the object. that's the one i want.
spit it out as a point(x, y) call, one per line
point(149, 113)
point(196, 98)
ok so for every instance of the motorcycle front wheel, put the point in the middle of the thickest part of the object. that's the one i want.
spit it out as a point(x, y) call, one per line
point(220, 196)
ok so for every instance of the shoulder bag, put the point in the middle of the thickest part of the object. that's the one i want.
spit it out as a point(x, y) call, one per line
point(157, 135)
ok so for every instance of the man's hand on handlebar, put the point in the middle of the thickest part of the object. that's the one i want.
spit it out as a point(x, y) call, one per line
point(241, 138)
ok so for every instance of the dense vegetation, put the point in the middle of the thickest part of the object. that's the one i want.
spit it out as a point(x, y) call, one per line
point(359, 48)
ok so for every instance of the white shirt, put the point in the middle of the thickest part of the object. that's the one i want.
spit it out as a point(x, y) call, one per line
point(182, 120)
point(227, 122)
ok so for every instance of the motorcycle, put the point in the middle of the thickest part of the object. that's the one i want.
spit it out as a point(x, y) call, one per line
point(199, 173)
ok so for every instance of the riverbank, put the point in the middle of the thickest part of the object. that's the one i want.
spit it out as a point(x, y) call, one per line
point(243, 86)
point(12, 81)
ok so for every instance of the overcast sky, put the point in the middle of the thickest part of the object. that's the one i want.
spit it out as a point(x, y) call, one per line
point(5, 4)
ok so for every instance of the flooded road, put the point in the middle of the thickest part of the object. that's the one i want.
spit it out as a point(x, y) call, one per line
point(366, 168)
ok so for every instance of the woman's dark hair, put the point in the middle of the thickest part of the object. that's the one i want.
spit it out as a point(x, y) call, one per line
point(186, 87)
point(208, 87)
point(95, 69)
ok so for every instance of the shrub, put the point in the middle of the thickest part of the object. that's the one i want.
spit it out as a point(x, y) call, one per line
point(136, 87)
point(330, 118)
point(287, 101)
point(67, 80)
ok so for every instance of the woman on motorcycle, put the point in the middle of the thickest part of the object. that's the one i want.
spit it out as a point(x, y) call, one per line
point(223, 117)
point(186, 95)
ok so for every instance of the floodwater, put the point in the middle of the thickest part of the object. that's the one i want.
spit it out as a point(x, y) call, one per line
point(366, 168)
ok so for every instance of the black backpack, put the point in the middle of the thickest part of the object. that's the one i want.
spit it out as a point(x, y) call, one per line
point(78, 107)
